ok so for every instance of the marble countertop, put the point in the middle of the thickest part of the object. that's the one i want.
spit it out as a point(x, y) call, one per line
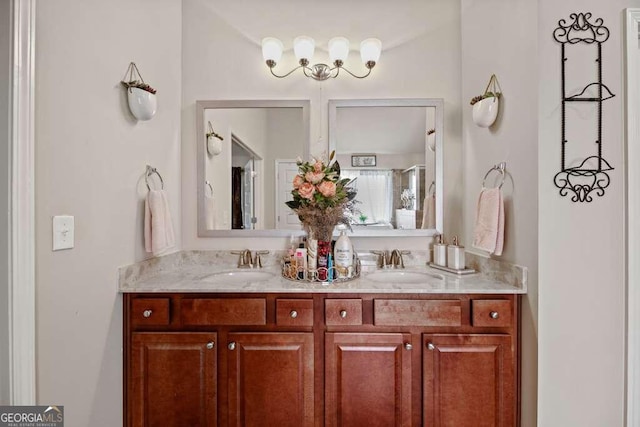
point(216, 272)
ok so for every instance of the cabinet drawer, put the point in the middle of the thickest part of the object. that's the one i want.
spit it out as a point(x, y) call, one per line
point(343, 312)
point(392, 312)
point(491, 312)
point(150, 311)
point(294, 312)
point(223, 311)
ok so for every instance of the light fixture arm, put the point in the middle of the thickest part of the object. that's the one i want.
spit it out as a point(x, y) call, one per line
point(356, 76)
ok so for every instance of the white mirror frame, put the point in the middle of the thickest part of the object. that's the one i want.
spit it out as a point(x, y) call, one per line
point(201, 106)
point(438, 104)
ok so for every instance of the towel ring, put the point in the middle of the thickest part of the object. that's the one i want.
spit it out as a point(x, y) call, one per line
point(151, 171)
point(207, 183)
point(432, 187)
point(500, 167)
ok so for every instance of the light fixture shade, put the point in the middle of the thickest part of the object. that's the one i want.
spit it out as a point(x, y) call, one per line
point(338, 49)
point(370, 50)
point(303, 47)
point(272, 49)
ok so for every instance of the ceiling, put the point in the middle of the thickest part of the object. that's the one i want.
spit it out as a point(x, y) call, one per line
point(393, 22)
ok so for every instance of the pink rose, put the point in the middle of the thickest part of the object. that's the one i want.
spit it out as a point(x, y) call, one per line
point(327, 188)
point(314, 177)
point(318, 166)
point(297, 181)
point(306, 190)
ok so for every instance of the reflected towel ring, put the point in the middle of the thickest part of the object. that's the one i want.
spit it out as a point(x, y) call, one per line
point(500, 167)
point(150, 171)
point(207, 183)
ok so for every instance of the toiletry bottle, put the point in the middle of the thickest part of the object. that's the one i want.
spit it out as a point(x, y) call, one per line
point(455, 255)
point(301, 257)
point(330, 268)
point(440, 252)
point(343, 254)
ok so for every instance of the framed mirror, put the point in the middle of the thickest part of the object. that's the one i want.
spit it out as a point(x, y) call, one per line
point(246, 155)
point(392, 148)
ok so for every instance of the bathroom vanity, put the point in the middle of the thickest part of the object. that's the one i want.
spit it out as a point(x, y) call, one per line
point(204, 347)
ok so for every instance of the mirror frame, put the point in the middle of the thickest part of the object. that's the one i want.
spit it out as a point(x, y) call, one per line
point(438, 104)
point(203, 105)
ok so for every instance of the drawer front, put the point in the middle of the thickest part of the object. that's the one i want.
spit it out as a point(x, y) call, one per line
point(391, 312)
point(150, 311)
point(339, 312)
point(491, 312)
point(223, 311)
point(294, 312)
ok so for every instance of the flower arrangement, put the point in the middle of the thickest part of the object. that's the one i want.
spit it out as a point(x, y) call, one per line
point(320, 197)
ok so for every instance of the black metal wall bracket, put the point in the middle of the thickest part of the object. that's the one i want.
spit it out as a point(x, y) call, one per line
point(590, 177)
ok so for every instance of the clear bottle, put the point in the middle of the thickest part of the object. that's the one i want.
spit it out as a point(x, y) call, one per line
point(343, 254)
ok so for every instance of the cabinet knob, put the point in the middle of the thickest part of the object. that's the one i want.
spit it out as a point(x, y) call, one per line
point(430, 346)
point(494, 314)
point(232, 345)
point(408, 346)
point(293, 314)
point(147, 313)
point(210, 345)
point(343, 313)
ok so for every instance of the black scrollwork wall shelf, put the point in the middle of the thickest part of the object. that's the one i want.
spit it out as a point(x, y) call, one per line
point(590, 177)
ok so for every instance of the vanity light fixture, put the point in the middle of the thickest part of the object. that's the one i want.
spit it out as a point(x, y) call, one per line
point(303, 48)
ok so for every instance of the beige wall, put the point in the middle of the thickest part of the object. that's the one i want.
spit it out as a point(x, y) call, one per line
point(90, 159)
point(509, 51)
point(581, 246)
point(5, 81)
point(219, 62)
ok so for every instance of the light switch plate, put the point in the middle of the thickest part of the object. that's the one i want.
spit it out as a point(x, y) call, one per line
point(63, 226)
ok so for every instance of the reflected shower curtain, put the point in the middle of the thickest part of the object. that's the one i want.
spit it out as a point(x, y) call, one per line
point(236, 198)
point(375, 193)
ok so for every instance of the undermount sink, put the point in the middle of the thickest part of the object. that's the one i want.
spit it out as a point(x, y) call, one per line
point(399, 276)
point(239, 276)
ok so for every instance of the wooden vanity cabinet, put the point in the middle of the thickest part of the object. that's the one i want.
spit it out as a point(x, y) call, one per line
point(321, 360)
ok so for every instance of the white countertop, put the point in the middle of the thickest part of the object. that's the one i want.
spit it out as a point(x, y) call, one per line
point(187, 273)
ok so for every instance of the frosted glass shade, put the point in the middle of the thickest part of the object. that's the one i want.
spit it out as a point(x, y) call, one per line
point(271, 49)
point(370, 50)
point(303, 47)
point(338, 49)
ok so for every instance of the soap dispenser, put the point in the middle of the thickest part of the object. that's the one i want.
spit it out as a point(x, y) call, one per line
point(455, 255)
point(440, 252)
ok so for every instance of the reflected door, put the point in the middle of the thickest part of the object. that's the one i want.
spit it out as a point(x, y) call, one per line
point(285, 218)
point(248, 219)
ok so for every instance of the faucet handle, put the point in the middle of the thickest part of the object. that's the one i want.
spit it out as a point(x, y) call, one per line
point(383, 258)
point(258, 259)
point(242, 261)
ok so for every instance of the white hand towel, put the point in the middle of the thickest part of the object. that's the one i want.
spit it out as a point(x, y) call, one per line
point(488, 233)
point(210, 212)
point(158, 227)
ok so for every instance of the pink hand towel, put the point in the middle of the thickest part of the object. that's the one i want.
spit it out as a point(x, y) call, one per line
point(488, 233)
point(158, 227)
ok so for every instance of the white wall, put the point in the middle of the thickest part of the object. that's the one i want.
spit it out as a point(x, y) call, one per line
point(581, 246)
point(219, 62)
point(90, 159)
point(507, 49)
point(5, 79)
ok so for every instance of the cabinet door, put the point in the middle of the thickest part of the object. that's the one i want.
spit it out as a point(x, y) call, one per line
point(367, 379)
point(271, 379)
point(172, 379)
point(469, 381)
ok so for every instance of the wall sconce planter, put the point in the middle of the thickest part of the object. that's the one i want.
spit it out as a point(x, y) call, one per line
point(590, 176)
point(431, 140)
point(214, 141)
point(140, 96)
point(304, 47)
point(486, 106)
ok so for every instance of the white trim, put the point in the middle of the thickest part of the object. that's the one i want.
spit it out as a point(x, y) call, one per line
point(22, 324)
point(632, 261)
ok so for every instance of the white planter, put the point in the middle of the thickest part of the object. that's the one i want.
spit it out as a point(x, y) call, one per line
point(214, 146)
point(486, 111)
point(143, 104)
